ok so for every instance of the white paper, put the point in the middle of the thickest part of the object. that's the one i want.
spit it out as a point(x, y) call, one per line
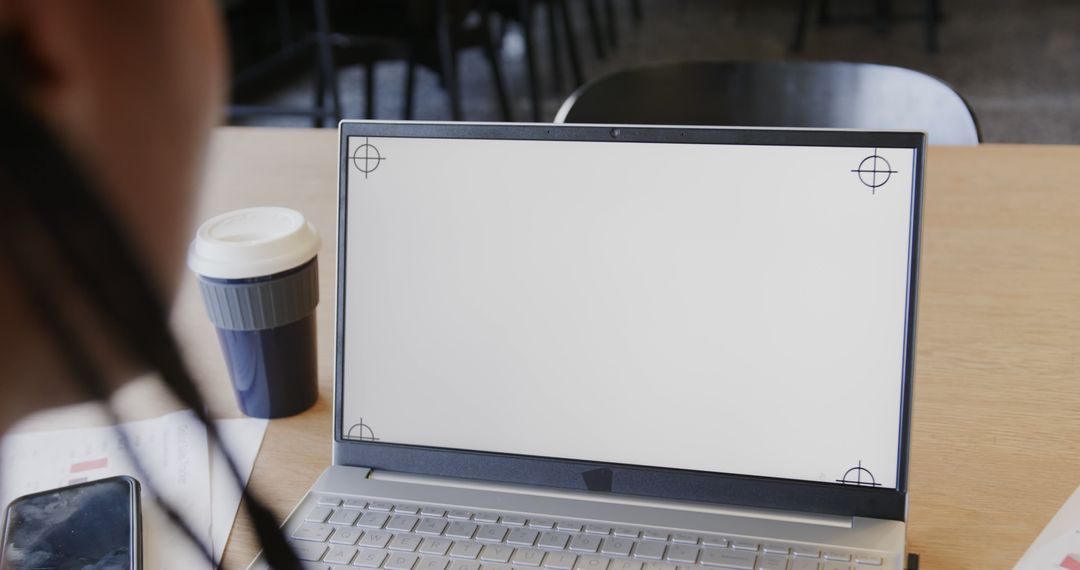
point(174, 451)
point(243, 438)
point(1060, 538)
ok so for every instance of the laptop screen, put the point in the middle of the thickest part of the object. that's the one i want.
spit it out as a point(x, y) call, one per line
point(736, 309)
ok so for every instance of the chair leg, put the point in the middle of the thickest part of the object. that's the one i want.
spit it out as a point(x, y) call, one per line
point(319, 95)
point(882, 16)
point(825, 13)
point(369, 90)
point(639, 14)
point(447, 58)
point(410, 86)
point(496, 67)
point(526, 9)
point(933, 14)
point(594, 26)
point(571, 44)
point(612, 23)
point(553, 43)
point(802, 25)
point(326, 58)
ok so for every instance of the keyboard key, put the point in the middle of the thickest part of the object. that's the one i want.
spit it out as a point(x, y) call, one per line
point(511, 520)
point(369, 558)
point(553, 539)
point(468, 550)
point(805, 564)
point(346, 535)
point(728, 559)
point(773, 548)
point(312, 551)
point(659, 566)
point(682, 553)
point(496, 553)
point(319, 514)
point(625, 565)
point(316, 566)
point(597, 529)
point(339, 555)
point(436, 546)
point(329, 500)
point(313, 531)
point(649, 550)
point(430, 563)
point(494, 566)
point(541, 523)
point(375, 539)
point(683, 538)
point(716, 541)
point(840, 556)
point(806, 552)
point(402, 523)
point(625, 532)
point(746, 545)
point(486, 518)
point(355, 503)
point(432, 512)
point(401, 561)
point(591, 563)
point(656, 535)
point(431, 526)
point(836, 566)
point(616, 546)
point(867, 560)
point(559, 560)
point(527, 557)
point(381, 506)
point(461, 529)
point(406, 509)
point(372, 520)
point(522, 536)
point(460, 515)
point(463, 565)
point(345, 517)
point(405, 543)
point(585, 543)
point(771, 563)
point(491, 533)
point(568, 526)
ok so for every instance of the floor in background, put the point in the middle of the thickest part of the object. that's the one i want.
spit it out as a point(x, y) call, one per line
point(1016, 61)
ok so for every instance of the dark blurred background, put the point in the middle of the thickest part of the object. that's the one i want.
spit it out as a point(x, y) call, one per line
point(1016, 62)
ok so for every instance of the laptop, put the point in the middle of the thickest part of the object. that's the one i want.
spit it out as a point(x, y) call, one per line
point(619, 348)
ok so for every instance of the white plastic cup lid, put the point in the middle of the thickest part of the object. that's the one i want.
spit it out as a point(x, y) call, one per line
point(253, 242)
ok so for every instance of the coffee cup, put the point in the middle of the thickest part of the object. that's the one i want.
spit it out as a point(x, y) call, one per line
point(257, 270)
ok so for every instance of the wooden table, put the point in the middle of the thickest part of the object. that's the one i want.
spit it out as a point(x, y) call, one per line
point(996, 447)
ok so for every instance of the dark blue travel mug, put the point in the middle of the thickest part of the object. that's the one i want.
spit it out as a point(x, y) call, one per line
point(258, 275)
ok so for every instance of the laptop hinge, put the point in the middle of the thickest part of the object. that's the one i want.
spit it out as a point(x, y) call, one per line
point(835, 521)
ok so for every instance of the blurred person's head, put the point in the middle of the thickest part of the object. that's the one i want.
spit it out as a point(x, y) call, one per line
point(130, 90)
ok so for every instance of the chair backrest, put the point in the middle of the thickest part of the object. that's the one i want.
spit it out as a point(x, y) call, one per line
point(828, 94)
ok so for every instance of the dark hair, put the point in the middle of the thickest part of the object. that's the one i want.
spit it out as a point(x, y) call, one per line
point(53, 222)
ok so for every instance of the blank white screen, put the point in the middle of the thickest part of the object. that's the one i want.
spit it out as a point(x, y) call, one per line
point(722, 308)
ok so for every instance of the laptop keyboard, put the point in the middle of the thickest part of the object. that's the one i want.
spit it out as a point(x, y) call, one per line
point(344, 532)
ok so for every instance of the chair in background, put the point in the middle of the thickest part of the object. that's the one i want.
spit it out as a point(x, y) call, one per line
point(777, 94)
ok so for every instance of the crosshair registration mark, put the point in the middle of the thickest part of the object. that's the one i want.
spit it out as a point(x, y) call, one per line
point(366, 158)
point(874, 171)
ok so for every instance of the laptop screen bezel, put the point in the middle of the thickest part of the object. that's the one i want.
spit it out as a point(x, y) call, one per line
point(664, 483)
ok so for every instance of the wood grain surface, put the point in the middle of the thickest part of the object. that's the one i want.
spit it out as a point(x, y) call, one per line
point(996, 446)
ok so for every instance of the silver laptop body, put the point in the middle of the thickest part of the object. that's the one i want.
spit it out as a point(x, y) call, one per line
point(630, 348)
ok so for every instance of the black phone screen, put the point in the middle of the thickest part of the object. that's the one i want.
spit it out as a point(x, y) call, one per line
point(86, 526)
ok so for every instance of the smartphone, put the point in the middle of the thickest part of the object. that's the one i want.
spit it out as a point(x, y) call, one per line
point(94, 525)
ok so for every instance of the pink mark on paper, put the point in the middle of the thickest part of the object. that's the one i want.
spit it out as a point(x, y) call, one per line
point(1071, 562)
point(89, 465)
